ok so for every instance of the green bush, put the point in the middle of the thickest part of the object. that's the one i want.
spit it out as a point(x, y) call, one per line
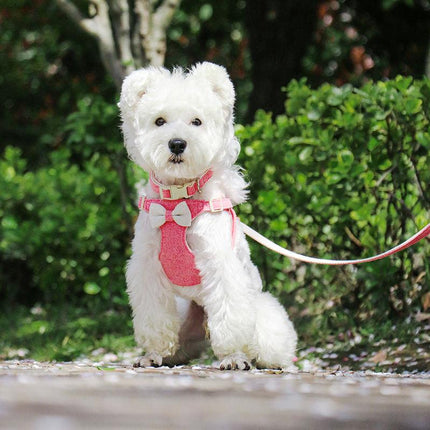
point(62, 233)
point(343, 174)
point(66, 227)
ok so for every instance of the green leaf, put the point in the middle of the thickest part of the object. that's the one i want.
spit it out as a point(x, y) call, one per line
point(206, 12)
point(314, 115)
point(345, 157)
point(305, 154)
point(423, 138)
point(336, 97)
point(413, 106)
point(298, 140)
point(91, 288)
point(373, 143)
point(104, 271)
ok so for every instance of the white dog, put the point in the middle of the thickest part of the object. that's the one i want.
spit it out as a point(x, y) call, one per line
point(179, 127)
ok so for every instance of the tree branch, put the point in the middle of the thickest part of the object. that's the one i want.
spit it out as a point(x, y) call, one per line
point(142, 9)
point(98, 26)
point(105, 37)
point(164, 14)
point(75, 15)
point(122, 32)
point(161, 19)
point(152, 28)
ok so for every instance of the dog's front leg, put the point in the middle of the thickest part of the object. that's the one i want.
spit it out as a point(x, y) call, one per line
point(155, 316)
point(226, 293)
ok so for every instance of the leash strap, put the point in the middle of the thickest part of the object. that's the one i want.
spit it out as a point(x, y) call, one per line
point(290, 254)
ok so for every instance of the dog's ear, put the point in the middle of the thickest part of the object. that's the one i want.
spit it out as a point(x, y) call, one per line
point(133, 89)
point(136, 85)
point(218, 79)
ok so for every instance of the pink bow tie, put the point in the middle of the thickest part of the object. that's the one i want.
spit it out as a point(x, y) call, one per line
point(181, 215)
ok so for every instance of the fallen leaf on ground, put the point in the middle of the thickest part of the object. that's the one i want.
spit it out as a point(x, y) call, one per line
point(421, 316)
point(379, 356)
point(426, 301)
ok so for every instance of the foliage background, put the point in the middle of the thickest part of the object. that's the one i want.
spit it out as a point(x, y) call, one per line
point(337, 167)
point(346, 175)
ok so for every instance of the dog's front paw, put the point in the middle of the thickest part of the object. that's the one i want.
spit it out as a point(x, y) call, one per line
point(290, 369)
point(237, 361)
point(151, 359)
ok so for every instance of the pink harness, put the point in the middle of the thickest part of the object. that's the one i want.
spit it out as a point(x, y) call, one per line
point(173, 217)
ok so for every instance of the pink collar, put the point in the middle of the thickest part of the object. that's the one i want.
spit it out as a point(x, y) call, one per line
point(176, 192)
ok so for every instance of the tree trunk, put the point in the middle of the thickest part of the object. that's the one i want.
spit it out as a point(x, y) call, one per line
point(279, 33)
point(128, 38)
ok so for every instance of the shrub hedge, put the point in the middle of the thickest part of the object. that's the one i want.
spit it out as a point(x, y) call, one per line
point(62, 230)
point(343, 174)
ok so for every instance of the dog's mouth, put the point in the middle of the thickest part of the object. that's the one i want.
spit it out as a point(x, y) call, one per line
point(176, 159)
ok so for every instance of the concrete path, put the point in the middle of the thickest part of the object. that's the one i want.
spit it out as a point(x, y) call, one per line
point(65, 396)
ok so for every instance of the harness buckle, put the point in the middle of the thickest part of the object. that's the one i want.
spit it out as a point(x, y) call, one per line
point(177, 192)
point(217, 208)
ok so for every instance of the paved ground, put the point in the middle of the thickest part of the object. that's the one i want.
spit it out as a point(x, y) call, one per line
point(88, 396)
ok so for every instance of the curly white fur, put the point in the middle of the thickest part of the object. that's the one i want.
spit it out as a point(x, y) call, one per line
point(244, 323)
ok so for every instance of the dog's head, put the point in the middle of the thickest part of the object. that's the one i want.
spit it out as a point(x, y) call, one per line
point(179, 124)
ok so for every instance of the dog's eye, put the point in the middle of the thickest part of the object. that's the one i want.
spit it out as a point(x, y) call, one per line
point(196, 122)
point(160, 121)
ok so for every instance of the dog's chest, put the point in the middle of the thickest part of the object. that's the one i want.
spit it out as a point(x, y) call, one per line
point(173, 218)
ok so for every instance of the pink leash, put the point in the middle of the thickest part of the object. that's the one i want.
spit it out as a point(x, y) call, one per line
point(290, 254)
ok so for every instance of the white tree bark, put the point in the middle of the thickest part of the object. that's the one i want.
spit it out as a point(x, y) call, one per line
point(124, 46)
point(122, 31)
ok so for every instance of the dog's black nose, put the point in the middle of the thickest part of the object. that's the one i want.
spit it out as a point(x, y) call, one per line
point(177, 146)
